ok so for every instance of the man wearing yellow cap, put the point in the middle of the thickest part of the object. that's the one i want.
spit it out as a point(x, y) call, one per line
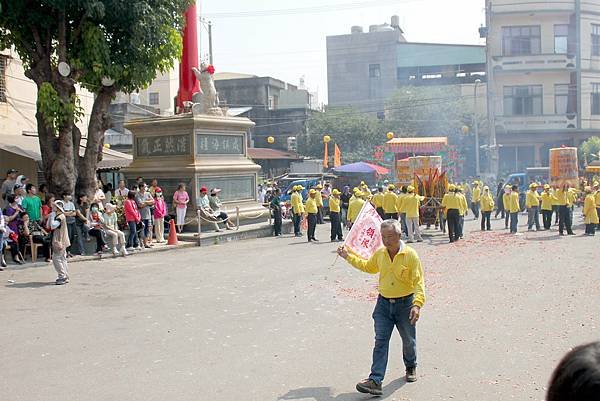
point(546, 198)
point(463, 211)
point(335, 216)
point(389, 203)
point(532, 202)
point(514, 208)
point(590, 212)
point(354, 208)
point(319, 199)
point(297, 208)
point(487, 205)
point(561, 198)
point(451, 203)
point(378, 202)
point(475, 200)
point(412, 204)
point(312, 211)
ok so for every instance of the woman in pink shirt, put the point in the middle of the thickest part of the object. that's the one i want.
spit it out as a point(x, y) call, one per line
point(160, 211)
point(132, 217)
point(181, 200)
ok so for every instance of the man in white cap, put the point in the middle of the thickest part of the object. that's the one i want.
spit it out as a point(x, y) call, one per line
point(60, 243)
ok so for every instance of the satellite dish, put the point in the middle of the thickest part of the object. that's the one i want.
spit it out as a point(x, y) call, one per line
point(64, 69)
point(108, 81)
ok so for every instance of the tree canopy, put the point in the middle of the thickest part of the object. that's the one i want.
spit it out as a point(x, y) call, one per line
point(109, 45)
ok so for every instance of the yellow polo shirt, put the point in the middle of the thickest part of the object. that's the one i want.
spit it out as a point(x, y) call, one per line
point(560, 198)
point(546, 200)
point(412, 203)
point(400, 202)
point(354, 208)
point(334, 204)
point(506, 200)
point(597, 198)
point(463, 204)
point(319, 198)
point(476, 194)
point(514, 206)
point(532, 199)
point(389, 202)
point(311, 206)
point(397, 278)
point(451, 201)
point(378, 199)
point(296, 201)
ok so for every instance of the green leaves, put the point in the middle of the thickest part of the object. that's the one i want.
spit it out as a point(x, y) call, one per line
point(58, 113)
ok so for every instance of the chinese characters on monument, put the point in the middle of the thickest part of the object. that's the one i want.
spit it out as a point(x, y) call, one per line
point(168, 145)
point(211, 144)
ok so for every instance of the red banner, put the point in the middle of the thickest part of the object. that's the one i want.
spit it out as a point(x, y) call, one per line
point(365, 236)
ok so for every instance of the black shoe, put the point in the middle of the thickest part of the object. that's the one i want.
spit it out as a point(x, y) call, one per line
point(18, 261)
point(368, 386)
point(411, 375)
point(316, 240)
point(61, 281)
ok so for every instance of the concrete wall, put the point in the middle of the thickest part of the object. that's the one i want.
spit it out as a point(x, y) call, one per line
point(24, 165)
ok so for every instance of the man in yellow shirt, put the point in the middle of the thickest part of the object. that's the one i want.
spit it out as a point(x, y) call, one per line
point(561, 198)
point(475, 200)
point(335, 216)
point(546, 198)
point(389, 203)
point(506, 205)
point(514, 208)
point(401, 297)
point(463, 211)
point(354, 208)
point(312, 211)
point(378, 202)
point(451, 203)
point(402, 209)
point(487, 205)
point(297, 208)
point(319, 199)
point(532, 202)
point(590, 212)
point(412, 204)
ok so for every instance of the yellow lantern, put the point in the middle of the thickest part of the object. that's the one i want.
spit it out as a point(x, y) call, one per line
point(390, 136)
point(465, 130)
point(326, 139)
point(107, 145)
point(271, 140)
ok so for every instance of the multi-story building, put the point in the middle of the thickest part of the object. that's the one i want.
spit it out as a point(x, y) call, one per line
point(543, 77)
point(366, 68)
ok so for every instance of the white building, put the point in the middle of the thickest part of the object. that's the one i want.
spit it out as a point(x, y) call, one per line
point(543, 77)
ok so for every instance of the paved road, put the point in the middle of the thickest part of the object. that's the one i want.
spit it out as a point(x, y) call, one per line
point(272, 319)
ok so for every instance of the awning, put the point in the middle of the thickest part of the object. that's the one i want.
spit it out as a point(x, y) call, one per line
point(430, 144)
point(29, 147)
point(362, 167)
point(271, 154)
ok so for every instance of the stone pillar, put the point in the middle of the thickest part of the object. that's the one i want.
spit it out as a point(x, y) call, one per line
point(537, 155)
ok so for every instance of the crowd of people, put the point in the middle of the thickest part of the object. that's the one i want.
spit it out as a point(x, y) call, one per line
point(543, 203)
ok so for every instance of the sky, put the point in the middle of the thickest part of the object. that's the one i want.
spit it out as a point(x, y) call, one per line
point(285, 39)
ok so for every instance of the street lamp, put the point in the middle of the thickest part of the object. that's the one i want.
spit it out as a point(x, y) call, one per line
point(476, 129)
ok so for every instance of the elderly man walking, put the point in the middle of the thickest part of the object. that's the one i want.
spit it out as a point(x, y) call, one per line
point(401, 297)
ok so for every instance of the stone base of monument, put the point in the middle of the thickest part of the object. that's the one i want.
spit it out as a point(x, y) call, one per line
point(248, 231)
point(198, 151)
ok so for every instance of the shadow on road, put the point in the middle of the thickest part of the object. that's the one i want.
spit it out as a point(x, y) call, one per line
point(325, 393)
point(33, 284)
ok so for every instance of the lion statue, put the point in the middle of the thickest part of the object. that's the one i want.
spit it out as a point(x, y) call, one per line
point(206, 101)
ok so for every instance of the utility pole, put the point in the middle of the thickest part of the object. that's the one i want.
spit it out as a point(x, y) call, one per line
point(476, 128)
point(210, 49)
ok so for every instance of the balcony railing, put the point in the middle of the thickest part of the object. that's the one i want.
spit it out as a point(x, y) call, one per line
point(534, 123)
point(531, 6)
point(533, 62)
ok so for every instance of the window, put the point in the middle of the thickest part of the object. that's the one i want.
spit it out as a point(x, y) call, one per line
point(595, 40)
point(271, 104)
point(596, 99)
point(561, 98)
point(3, 78)
point(521, 40)
point(374, 71)
point(153, 98)
point(561, 39)
point(523, 100)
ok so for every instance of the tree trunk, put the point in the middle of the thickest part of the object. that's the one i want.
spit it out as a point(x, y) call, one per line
point(99, 123)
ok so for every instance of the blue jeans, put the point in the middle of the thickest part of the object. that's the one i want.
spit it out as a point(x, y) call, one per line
point(387, 314)
point(132, 240)
point(533, 217)
point(514, 220)
point(297, 218)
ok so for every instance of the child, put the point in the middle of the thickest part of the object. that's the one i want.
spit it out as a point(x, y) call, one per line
point(160, 211)
point(60, 243)
point(181, 200)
